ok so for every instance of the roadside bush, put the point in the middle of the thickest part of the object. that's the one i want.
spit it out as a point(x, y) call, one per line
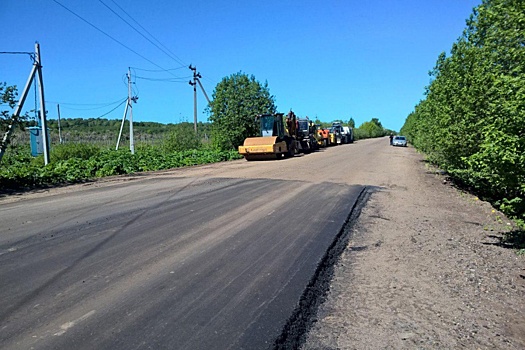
point(182, 138)
point(30, 172)
point(73, 150)
point(472, 121)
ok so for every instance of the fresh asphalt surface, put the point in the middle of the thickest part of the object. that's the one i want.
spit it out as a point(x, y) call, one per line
point(163, 263)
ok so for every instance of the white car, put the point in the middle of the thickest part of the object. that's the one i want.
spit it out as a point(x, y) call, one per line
point(399, 141)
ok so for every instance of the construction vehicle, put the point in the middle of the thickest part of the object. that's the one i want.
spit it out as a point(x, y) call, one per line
point(349, 133)
point(305, 135)
point(324, 135)
point(274, 140)
point(318, 138)
point(337, 130)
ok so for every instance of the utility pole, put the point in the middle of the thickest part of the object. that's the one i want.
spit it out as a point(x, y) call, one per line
point(43, 120)
point(194, 84)
point(196, 77)
point(59, 129)
point(36, 70)
point(130, 99)
point(129, 106)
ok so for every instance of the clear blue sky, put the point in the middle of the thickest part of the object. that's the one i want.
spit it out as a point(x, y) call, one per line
point(326, 59)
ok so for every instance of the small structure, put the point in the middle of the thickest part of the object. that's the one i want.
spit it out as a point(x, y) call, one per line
point(37, 141)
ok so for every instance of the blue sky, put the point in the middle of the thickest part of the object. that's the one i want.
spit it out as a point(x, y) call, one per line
point(323, 59)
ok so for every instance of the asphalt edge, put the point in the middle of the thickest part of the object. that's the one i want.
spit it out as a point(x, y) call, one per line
point(296, 329)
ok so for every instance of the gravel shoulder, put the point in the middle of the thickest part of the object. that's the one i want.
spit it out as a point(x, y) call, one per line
point(423, 270)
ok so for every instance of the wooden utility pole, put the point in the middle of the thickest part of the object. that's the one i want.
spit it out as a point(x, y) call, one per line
point(59, 128)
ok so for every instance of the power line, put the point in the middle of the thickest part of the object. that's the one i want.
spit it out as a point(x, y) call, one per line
point(171, 80)
point(99, 105)
point(103, 104)
point(103, 115)
point(113, 109)
point(30, 54)
point(175, 57)
point(136, 30)
point(106, 34)
point(158, 70)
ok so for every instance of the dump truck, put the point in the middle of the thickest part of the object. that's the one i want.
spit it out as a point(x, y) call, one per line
point(275, 141)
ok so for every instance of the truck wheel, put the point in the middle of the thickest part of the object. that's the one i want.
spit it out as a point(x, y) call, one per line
point(291, 151)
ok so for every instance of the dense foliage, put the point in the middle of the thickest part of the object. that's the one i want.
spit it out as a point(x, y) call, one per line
point(90, 153)
point(237, 99)
point(472, 121)
point(8, 101)
point(182, 138)
point(105, 131)
point(75, 163)
point(370, 129)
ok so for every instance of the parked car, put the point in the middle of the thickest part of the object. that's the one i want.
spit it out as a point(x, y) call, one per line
point(399, 141)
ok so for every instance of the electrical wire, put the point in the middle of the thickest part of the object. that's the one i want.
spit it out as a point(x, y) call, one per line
point(109, 36)
point(136, 30)
point(103, 115)
point(170, 80)
point(175, 57)
point(100, 105)
point(134, 87)
point(158, 70)
point(31, 54)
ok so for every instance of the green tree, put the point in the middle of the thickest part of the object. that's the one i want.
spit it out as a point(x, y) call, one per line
point(182, 138)
point(8, 96)
point(237, 99)
point(472, 120)
point(351, 123)
point(376, 122)
point(371, 129)
point(318, 121)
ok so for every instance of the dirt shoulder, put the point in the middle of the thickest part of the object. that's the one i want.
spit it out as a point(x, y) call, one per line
point(423, 271)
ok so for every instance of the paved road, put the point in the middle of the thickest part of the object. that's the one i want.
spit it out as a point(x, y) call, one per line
point(175, 262)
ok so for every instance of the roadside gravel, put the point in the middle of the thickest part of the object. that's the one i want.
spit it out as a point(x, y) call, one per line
point(423, 270)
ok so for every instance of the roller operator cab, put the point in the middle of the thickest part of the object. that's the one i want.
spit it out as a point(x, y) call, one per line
point(274, 141)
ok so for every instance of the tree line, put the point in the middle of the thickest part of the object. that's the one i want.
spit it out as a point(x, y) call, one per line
point(238, 98)
point(472, 120)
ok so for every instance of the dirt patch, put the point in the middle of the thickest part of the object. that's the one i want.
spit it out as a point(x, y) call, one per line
point(424, 270)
